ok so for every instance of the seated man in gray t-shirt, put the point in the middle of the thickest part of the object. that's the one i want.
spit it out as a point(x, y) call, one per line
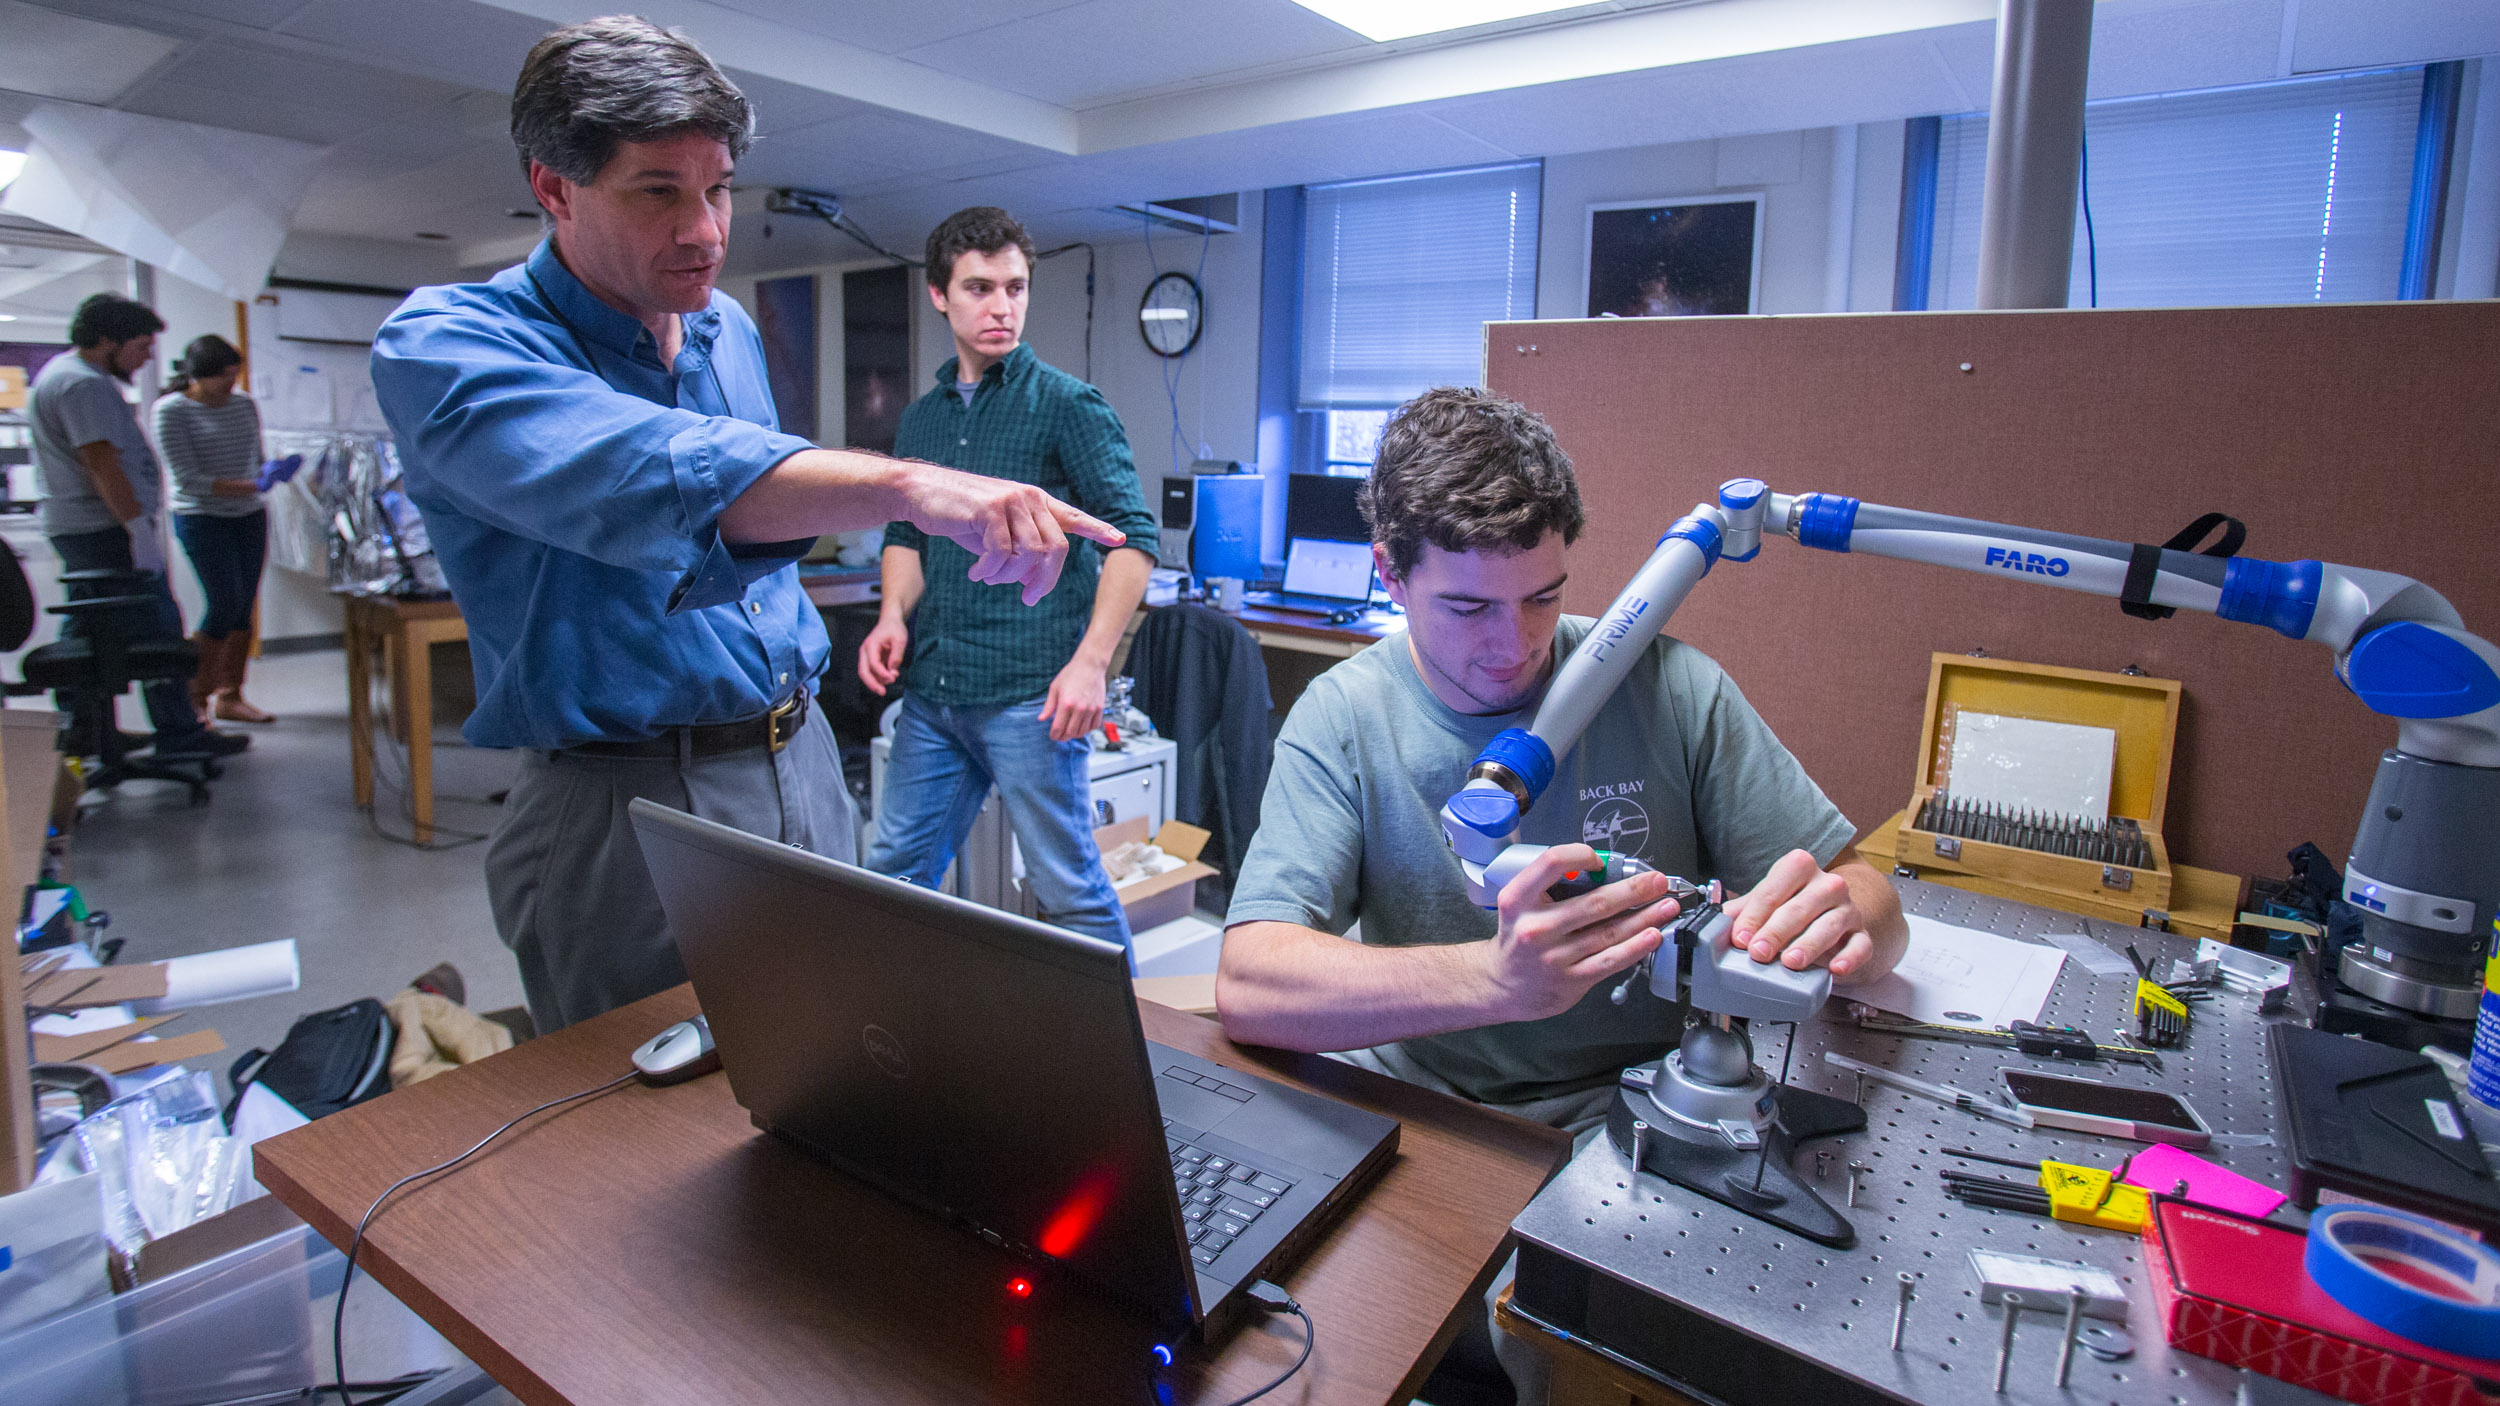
point(1472, 506)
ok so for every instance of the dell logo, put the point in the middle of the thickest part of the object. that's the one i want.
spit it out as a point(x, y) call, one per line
point(2009, 560)
point(885, 1052)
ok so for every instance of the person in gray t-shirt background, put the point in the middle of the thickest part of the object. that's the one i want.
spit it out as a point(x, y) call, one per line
point(101, 488)
point(1472, 506)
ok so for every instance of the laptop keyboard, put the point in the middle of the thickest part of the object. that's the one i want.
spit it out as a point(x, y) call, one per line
point(1220, 1197)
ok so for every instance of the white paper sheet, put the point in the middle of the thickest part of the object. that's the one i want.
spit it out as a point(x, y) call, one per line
point(233, 974)
point(1961, 976)
point(2024, 764)
point(2101, 961)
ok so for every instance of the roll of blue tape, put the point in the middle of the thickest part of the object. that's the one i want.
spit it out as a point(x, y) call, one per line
point(2348, 1246)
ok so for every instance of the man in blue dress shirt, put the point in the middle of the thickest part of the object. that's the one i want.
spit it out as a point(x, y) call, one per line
point(593, 443)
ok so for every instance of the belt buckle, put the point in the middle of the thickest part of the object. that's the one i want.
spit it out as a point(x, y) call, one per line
point(793, 710)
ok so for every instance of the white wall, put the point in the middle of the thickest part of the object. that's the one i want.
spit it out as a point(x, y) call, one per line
point(1216, 385)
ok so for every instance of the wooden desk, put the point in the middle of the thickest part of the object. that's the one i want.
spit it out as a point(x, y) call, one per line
point(650, 1246)
point(1312, 634)
point(406, 630)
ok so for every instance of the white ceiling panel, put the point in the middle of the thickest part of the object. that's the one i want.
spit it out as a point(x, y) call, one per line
point(782, 107)
point(361, 95)
point(898, 140)
point(891, 26)
point(269, 113)
point(1103, 49)
point(255, 14)
point(453, 40)
point(2161, 48)
point(2364, 33)
point(67, 56)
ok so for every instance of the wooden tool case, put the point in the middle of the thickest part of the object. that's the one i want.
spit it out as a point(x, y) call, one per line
point(2142, 711)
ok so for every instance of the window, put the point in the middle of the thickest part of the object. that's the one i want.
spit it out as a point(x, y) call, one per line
point(1399, 276)
point(2274, 193)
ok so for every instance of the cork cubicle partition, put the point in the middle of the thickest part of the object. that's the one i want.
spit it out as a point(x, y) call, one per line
point(2362, 434)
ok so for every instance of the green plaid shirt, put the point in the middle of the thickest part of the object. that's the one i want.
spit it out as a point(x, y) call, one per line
point(979, 646)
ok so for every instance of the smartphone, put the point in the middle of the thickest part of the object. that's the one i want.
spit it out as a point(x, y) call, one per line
point(2089, 1106)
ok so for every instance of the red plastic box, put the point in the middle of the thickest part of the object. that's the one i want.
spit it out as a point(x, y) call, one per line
point(2233, 1289)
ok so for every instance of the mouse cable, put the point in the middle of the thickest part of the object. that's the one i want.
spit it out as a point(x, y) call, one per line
point(338, 1316)
point(1276, 1300)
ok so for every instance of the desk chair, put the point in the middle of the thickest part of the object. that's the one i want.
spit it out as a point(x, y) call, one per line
point(1200, 676)
point(88, 672)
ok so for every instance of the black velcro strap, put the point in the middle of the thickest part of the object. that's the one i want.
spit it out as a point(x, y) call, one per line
point(2144, 562)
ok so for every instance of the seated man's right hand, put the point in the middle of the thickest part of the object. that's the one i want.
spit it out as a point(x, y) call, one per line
point(1018, 532)
point(1546, 955)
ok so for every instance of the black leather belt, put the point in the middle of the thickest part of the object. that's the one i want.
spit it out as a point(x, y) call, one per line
point(772, 732)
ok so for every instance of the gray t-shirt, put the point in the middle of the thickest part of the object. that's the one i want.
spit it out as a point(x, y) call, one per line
point(1677, 769)
point(71, 404)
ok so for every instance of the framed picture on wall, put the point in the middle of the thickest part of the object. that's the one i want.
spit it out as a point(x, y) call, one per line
point(1684, 256)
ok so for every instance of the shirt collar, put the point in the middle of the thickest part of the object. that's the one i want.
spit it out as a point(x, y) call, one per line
point(597, 322)
point(1006, 368)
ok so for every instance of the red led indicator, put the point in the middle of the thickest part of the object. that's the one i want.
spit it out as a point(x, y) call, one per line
point(1020, 1288)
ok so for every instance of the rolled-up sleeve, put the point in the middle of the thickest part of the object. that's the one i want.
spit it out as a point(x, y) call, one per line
point(1102, 474)
point(493, 420)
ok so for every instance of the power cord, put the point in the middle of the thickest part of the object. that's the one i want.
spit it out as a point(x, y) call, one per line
point(1275, 1300)
point(338, 1316)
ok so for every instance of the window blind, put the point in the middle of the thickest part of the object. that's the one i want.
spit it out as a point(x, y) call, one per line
point(2286, 192)
point(1399, 276)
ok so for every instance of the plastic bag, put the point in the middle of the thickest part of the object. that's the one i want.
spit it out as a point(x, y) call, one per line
point(166, 1160)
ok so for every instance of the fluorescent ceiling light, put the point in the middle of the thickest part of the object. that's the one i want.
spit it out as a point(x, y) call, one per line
point(11, 162)
point(1384, 20)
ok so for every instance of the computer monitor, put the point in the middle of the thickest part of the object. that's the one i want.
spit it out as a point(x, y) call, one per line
point(1340, 570)
point(1320, 507)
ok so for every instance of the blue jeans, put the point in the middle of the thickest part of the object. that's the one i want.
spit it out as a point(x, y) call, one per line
point(169, 700)
point(226, 553)
point(942, 767)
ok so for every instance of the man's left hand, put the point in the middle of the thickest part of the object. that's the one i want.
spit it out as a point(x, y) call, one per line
point(1074, 706)
point(1801, 914)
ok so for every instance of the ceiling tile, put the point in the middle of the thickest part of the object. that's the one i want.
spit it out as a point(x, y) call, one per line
point(257, 14)
point(245, 112)
point(890, 26)
point(361, 95)
point(72, 57)
point(457, 41)
point(1103, 49)
point(782, 107)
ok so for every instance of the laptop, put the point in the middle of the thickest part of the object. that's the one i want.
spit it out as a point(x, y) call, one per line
point(1321, 578)
point(993, 1071)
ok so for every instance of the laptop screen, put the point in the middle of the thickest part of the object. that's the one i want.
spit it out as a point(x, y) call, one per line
point(1318, 568)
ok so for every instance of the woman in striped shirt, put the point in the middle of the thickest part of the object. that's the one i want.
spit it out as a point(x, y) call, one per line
point(209, 435)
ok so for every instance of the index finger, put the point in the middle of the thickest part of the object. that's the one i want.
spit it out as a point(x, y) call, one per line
point(1085, 524)
point(1788, 874)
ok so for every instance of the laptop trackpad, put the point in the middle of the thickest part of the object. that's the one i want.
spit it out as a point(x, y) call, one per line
point(1188, 1103)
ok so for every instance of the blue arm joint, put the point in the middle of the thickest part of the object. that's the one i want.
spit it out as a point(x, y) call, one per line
point(2281, 595)
point(1825, 520)
point(1702, 533)
point(1525, 756)
point(2409, 670)
point(1739, 495)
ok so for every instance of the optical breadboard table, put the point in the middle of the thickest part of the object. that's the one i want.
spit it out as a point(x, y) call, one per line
point(1717, 1304)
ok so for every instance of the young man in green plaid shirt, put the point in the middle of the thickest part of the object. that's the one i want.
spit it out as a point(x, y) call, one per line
point(996, 693)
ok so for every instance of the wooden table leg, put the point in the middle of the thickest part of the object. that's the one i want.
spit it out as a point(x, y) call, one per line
point(360, 701)
point(416, 655)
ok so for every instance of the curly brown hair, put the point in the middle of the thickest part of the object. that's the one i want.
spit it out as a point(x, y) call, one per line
point(1466, 470)
point(979, 229)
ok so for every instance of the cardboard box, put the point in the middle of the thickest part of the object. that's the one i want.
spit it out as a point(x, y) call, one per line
point(2235, 1290)
point(1152, 902)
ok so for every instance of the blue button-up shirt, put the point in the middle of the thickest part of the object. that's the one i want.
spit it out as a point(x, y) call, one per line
point(573, 485)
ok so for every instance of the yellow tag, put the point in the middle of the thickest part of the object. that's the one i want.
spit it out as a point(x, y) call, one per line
point(2090, 1196)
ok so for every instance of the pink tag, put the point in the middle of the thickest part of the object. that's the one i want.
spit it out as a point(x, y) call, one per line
point(2162, 1167)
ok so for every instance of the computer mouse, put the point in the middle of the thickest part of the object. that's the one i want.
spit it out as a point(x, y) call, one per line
point(681, 1052)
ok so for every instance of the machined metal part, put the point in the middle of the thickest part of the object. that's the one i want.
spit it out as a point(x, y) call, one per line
point(1856, 1170)
point(1658, 1241)
point(2066, 1345)
point(2116, 842)
point(2380, 981)
point(2012, 1303)
point(1901, 1309)
point(2107, 1342)
point(1640, 1149)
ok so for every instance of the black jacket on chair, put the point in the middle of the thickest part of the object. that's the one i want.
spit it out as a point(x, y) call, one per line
point(1200, 677)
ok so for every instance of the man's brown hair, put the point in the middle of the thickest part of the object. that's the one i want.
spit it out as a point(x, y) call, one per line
point(981, 229)
point(589, 86)
point(1466, 470)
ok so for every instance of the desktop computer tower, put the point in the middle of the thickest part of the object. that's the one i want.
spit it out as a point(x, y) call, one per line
point(1212, 524)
